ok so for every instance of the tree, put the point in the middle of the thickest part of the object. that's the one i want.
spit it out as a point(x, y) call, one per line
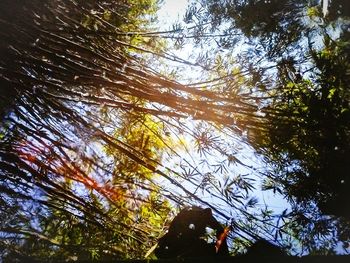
point(71, 70)
point(46, 72)
point(298, 83)
point(98, 141)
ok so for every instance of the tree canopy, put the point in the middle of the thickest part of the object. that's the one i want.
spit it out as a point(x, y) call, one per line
point(298, 59)
point(101, 139)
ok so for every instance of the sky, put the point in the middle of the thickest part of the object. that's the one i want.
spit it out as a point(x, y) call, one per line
point(170, 11)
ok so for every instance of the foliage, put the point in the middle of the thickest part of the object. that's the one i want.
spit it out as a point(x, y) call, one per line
point(296, 56)
point(87, 127)
point(52, 133)
point(98, 148)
